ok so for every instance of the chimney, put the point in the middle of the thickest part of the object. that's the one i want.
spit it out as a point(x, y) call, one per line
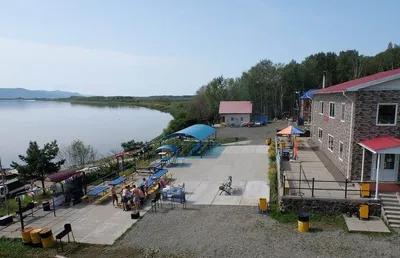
point(323, 79)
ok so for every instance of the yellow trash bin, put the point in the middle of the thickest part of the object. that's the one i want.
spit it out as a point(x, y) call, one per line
point(26, 236)
point(303, 222)
point(47, 238)
point(263, 205)
point(364, 211)
point(35, 236)
point(268, 141)
point(365, 190)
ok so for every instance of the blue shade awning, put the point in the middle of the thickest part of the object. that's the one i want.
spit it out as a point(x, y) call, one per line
point(308, 94)
point(199, 132)
point(290, 130)
point(172, 148)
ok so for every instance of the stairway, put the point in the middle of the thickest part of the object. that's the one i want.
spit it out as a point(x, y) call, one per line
point(391, 208)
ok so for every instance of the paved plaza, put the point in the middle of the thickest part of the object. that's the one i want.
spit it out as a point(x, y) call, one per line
point(103, 224)
point(247, 164)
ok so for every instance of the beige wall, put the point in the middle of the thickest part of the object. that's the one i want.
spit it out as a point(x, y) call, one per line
point(235, 119)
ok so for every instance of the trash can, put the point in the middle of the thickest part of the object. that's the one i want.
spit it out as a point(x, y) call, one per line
point(303, 222)
point(268, 141)
point(46, 206)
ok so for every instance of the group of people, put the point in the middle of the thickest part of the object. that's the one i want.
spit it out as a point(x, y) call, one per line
point(135, 195)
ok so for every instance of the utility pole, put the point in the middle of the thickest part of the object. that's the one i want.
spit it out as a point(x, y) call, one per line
point(3, 175)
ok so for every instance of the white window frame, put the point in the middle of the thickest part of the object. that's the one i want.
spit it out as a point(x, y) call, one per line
point(333, 110)
point(322, 131)
point(395, 114)
point(343, 113)
point(341, 143)
point(321, 107)
point(329, 136)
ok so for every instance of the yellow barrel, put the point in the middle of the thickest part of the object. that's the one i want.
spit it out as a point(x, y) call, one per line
point(268, 141)
point(263, 205)
point(47, 238)
point(35, 236)
point(26, 235)
point(303, 222)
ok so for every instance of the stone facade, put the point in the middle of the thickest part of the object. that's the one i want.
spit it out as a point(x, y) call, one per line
point(327, 206)
point(366, 106)
point(337, 127)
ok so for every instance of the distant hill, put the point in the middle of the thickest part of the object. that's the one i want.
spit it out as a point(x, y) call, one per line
point(15, 93)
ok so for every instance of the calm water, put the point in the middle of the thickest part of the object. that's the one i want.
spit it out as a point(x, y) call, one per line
point(103, 127)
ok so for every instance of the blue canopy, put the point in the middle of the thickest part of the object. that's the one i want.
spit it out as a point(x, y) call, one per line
point(172, 148)
point(199, 131)
point(308, 94)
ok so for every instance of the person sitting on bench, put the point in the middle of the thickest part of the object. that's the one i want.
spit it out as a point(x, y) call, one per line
point(226, 186)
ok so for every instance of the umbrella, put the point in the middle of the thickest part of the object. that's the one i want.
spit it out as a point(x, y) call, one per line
point(290, 130)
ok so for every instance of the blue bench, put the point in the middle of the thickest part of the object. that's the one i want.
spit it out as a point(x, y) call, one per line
point(196, 148)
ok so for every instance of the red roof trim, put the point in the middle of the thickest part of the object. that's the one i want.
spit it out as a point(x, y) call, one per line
point(351, 85)
point(381, 143)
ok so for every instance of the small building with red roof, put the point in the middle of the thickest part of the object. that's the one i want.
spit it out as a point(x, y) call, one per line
point(234, 113)
point(357, 125)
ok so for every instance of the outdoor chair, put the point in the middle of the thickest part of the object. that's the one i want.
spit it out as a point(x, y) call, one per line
point(156, 202)
point(226, 186)
point(65, 232)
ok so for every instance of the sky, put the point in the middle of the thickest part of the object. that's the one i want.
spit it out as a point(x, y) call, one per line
point(172, 47)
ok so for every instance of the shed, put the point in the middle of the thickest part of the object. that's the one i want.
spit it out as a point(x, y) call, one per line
point(235, 112)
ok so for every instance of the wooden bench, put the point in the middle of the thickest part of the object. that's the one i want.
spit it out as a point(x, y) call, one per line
point(102, 198)
point(65, 232)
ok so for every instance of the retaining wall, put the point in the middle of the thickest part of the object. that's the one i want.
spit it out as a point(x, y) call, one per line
point(327, 206)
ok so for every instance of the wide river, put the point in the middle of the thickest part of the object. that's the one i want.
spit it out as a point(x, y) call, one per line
point(103, 127)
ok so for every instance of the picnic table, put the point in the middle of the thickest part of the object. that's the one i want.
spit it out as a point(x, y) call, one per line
point(155, 177)
point(117, 181)
point(96, 191)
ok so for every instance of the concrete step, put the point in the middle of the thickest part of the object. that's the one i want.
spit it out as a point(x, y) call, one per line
point(394, 225)
point(392, 212)
point(392, 216)
point(386, 199)
point(387, 195)
point(390, 203)
point(394, 221)
point(391, 208)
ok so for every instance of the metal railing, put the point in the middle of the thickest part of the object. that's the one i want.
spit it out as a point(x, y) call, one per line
point(312, 185)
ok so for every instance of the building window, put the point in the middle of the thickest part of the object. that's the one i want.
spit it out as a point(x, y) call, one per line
point(389, 161)
point(223, 119)
point(232, 119)
point(321, 107)
point(330, 142)
point(341, 150)
point(332, 109)
point(241, 119)
point(343, 112)
point(386, 114)
point(320, 134)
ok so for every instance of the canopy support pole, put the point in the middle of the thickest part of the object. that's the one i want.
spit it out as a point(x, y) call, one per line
point(362, 165)
point(377, 177)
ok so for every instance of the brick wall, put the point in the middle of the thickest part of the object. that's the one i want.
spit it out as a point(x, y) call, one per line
point(338, 129)
point(366, 105)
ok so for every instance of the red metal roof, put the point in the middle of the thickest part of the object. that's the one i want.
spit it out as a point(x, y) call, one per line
point(381, 143)
point(236, 107)
point(357, 82)
point(62, 175)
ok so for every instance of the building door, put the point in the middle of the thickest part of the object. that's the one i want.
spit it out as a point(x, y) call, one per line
point(389, 167)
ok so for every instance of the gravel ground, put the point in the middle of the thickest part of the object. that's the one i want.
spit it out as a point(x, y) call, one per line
point(238, 231)
point(257, 135)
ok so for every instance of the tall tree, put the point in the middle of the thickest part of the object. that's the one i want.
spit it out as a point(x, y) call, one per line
point(39, 162)
point(78, 154)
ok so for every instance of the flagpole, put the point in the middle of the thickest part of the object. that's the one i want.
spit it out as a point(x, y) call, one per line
point(3, 175)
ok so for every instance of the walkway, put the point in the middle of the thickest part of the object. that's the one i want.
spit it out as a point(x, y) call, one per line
point(313, 167)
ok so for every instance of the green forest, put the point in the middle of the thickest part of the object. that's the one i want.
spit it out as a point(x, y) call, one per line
point(271, 86)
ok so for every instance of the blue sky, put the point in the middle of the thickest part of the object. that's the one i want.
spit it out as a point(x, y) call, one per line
point(141, 48)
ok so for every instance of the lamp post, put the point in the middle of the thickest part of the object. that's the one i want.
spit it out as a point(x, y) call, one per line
point(296, 106)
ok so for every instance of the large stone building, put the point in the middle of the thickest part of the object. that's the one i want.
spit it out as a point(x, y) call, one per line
point(357, 125)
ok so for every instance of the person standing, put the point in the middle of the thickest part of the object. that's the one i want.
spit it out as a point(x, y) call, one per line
point(114, 195)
